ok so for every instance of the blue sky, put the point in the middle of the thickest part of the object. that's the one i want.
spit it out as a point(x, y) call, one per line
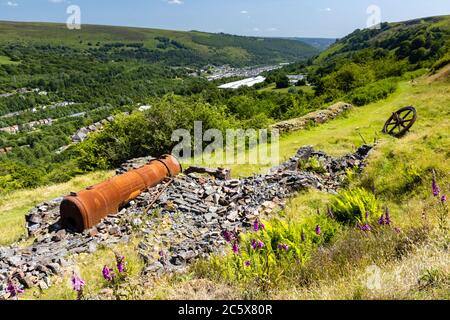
point(278, 18)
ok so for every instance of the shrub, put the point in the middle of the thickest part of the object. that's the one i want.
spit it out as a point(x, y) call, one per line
point(351, 206)
point(313, 164)
point(272, 254)
point(282, 82)
point(373, 92)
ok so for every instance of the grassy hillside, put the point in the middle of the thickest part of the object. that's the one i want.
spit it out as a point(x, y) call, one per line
point(405, 39)
point(413, 264)
point(318, 43)
point(208, 47)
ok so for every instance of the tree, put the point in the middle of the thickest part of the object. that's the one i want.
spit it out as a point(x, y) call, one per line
point(282, 82)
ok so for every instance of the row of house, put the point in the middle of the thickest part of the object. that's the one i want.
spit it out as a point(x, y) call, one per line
point(23, 91)
point(18, 128)
point(36, 109)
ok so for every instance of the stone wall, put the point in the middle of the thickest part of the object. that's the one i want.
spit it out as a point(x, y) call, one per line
point(313, 118)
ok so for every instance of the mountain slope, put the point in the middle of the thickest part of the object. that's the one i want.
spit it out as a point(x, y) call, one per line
point(406, 39)
point(207, 47)
point(318, 43)
point(367, 62)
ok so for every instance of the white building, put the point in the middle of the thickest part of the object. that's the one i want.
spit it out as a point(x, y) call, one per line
point(249, 82)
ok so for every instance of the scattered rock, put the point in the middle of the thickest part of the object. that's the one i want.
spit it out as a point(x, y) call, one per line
point(185, 223)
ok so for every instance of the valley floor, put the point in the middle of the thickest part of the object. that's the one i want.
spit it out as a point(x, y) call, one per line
point(399, 170)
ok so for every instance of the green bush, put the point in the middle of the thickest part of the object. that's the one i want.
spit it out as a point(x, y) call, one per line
point(313, 164)
point(351, 206)
point(143, 134)
point(373, 92)
point(270, 264)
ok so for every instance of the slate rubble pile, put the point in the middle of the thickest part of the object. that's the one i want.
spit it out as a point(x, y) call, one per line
point(178, 221)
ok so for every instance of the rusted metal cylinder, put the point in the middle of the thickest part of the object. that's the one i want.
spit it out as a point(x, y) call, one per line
point(87, 208)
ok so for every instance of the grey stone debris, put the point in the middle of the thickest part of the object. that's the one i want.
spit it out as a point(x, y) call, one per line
point(184, 223)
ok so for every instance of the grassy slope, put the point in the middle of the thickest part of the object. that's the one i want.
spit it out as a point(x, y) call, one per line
point(205, 44)
point(396, 30)
point(392, 167)
point(15, 205)
point(426, 147)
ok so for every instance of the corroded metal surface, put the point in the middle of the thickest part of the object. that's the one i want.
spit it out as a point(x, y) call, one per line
point(85, 209)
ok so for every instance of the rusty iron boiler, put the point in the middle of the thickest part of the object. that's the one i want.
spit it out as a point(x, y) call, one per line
point(85, 209)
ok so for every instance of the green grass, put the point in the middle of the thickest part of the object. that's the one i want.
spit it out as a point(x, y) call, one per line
point(15, 205)
point(6, 60)
point(343, 135)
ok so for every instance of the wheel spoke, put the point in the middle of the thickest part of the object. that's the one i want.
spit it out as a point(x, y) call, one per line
point(407, 114)
point(393, 129)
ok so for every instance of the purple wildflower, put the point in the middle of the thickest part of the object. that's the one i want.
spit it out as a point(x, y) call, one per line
point(444, 198)
point(120, 264)
point(381, 220)
point(247, 263)
point(387, 217)
point(262, 226)
point(397, 229)
point(256, 226)
point(13, 290)
point(236, 247)
point(367, 215)
point(435, 187)
point(318, 230)
point(260, 244)
point(283, 247)
point(257, 244)
point(228, 236)
point(107, 273)
point(77, 283)
point(366, 227)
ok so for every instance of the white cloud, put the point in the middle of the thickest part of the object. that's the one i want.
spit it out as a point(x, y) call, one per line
point(175, 1)
point(326, 9)
point(12, 4)
point(244, 11)
point(256, 29)
point(272, 29)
